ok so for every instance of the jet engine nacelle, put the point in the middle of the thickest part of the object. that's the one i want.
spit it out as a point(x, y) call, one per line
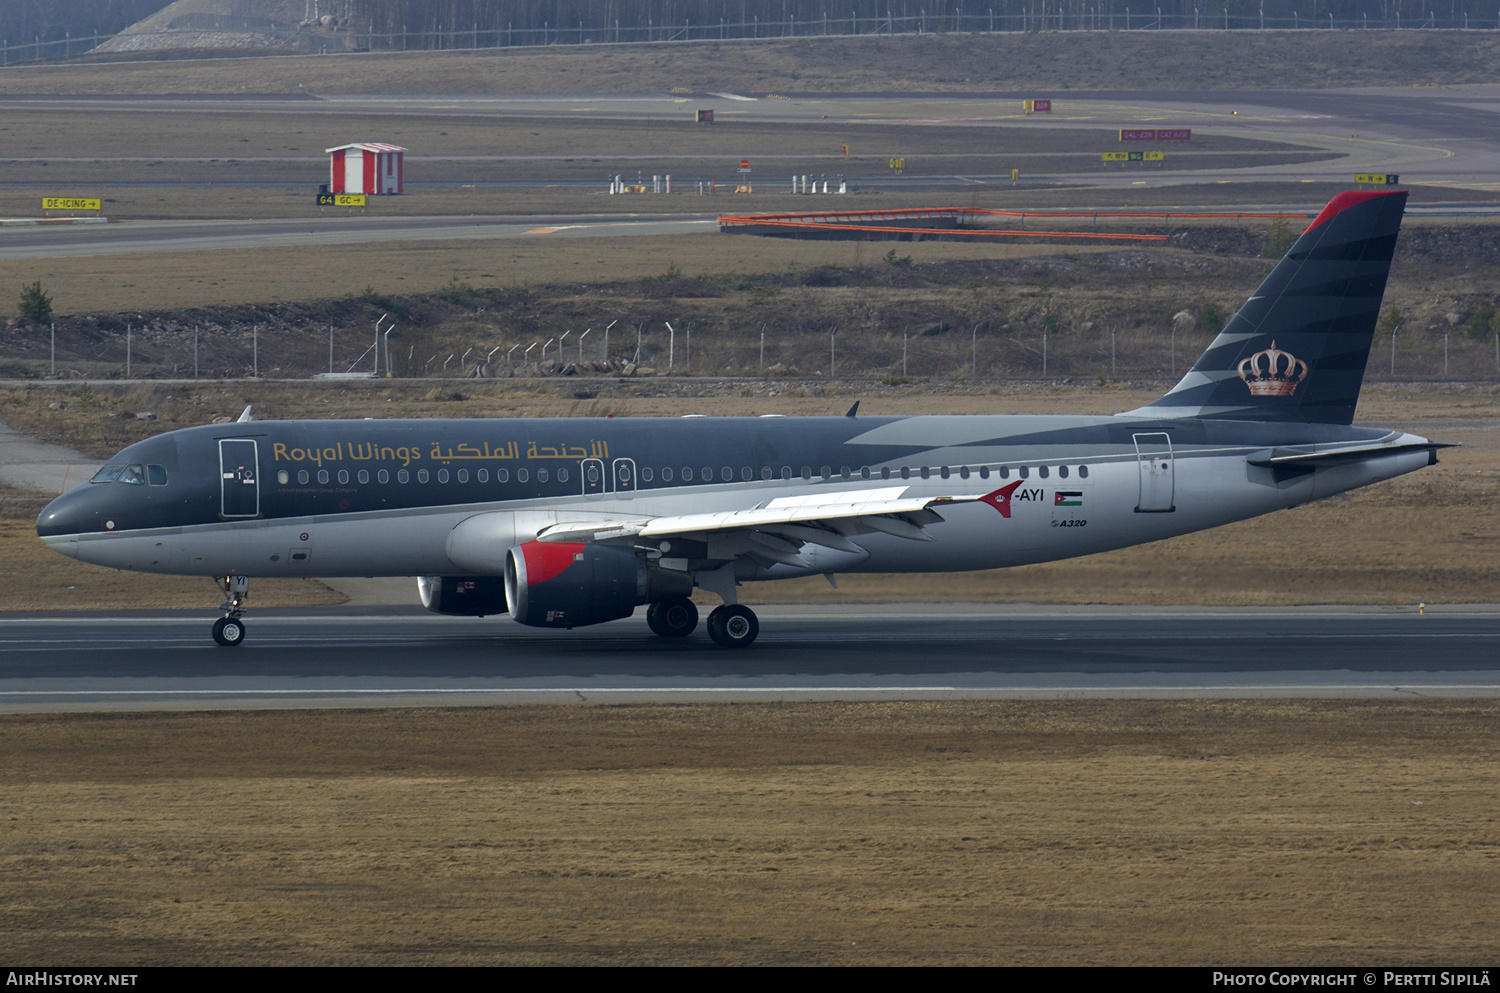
point(570, 584)
point(463, 596)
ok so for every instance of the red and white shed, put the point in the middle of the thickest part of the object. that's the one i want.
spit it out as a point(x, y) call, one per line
point(366, 167)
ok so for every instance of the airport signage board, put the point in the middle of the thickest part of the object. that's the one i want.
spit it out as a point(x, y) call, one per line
point(1134, 156)
point(71, 203)
point(1377, 178)
point(1037, 106)
point(341, 199)
point(1156, 134)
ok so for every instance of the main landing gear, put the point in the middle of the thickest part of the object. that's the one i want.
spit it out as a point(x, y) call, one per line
point(229, 630)
point(733, 626)
point(674, 618)
point(730, 626)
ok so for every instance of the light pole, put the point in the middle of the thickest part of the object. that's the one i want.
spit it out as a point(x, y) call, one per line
point(671, 344)
point(580, 345)
point(606, 339)
point(377, 345)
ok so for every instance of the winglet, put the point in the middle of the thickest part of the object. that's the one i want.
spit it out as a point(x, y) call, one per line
point(245, 415)
point(853, 409)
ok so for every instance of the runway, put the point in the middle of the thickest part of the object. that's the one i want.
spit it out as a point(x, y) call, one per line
point(361, 657)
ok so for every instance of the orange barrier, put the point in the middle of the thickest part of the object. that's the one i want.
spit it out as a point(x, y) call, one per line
point(963, 232)
point(870, 221)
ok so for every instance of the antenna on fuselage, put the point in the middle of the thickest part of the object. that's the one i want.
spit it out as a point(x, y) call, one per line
point(245, 414)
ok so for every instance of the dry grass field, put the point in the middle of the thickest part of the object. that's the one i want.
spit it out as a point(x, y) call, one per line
point(1221, 833)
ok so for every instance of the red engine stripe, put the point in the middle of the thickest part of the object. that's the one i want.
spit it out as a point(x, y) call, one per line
point(547, 559)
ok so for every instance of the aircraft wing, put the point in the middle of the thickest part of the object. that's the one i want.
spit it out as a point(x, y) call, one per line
point(777, 528)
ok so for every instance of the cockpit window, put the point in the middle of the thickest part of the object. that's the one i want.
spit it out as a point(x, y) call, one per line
point(134, 474)
point(156, 475)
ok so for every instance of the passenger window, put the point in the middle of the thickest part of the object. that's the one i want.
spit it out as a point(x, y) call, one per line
point(402, 476)
point(421, 475)
point(666, 474)
point(502, 475)
point(646, 474)
point(926, 473)
point(483, 475)
point(541, 475)
point(1083, 472)
point(302, 477)
point(562, 475)
point(442, 475)
point(943, 472)
point(323, 476)
point(906, 472)
point(963, 472)
point(1062, 472)
point(1005, 472)
point(1025, 472)
point(1042, 472)
point(687, 474)
point(885, 472)
point(384, 477)
point(984, 472)
point(343, 476)
point(522, 475)
point(364, 476)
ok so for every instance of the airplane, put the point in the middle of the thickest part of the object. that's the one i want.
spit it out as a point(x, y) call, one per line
point(575, 521)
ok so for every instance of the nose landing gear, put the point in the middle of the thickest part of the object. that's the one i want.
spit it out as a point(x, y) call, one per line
point(229, 630)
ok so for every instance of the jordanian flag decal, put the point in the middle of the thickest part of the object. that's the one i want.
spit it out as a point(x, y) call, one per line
point(1068, 498)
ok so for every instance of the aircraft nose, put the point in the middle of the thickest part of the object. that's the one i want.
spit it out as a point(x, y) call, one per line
point(64, 519)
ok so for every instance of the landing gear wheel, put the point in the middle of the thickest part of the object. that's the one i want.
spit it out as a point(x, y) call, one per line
point(229, 631)
point(733, 626)
point(675, 618)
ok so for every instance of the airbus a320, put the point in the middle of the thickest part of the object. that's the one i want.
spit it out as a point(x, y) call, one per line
point(570, 522)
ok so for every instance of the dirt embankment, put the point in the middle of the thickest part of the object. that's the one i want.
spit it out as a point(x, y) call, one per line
point(898, 310)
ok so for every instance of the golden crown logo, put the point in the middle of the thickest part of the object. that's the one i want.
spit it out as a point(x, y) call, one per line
point(1272, 373)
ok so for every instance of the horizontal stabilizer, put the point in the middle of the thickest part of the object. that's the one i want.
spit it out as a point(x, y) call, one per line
point(1344, 456)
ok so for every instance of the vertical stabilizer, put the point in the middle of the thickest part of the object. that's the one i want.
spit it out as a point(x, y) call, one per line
point(1297, 348)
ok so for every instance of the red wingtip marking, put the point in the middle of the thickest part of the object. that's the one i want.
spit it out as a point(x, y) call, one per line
point(1344, 201)
point(1000, 499)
